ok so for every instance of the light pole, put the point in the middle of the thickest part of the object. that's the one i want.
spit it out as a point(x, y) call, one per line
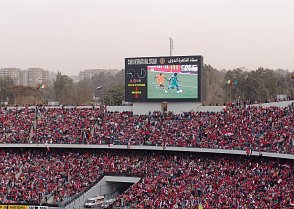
point(97, 88)
point(110, 98)
point(171, 46)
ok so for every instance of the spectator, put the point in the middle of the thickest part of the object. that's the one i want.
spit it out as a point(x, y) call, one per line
point(269, 129)
point(171, 180)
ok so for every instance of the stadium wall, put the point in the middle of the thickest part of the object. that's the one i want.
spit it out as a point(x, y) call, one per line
point(175, 107)
point(119, 108)
point(276, 104)
point(139, 108)
point(179, 107)
point(151, 148)
point(143, 108)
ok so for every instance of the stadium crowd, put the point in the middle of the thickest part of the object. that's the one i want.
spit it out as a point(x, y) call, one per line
point(168, 180)
point(15, 124)
point(56, 175)
point(244, 128)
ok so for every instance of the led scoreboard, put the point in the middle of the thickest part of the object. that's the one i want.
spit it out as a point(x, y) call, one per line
point(174, 78)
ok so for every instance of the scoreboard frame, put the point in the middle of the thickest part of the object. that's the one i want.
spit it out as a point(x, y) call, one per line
point(136, 76)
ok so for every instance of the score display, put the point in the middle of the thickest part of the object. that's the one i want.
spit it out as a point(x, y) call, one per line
point(176, 78)
point(136, 79)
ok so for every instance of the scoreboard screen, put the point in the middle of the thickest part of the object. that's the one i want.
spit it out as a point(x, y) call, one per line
point(176, 78)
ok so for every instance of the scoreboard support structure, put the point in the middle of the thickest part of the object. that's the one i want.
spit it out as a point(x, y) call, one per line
point(143, 108)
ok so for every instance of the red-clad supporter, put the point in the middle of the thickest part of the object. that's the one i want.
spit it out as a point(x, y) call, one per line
point(249, 128)
point(168, 180)
point(15, 124)
point(56, 175)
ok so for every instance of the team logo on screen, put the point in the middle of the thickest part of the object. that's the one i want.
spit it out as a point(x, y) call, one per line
point(162, 61)
point(190, 68)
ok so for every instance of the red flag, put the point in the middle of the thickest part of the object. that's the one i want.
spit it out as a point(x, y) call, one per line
point(248, 151)
point(129, 144)
point(164, 144)
point(47, 146)
point(38, 86)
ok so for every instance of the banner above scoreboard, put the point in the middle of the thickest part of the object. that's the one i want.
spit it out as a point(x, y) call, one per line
point(162, 60)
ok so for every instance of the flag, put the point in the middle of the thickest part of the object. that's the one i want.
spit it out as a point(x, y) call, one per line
point(286, 165)
point(227, 133)
point(229, 82)
point(92, 132)
point(164, 144)
point(235, 82)
point(248, 151)
point(129, 143)
point(47, 146)
point(32, 132)
point(38, 86)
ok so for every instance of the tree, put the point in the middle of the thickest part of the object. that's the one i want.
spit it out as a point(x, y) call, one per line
point(212, 85)
point(261, 85)
point(27, 95)
point(6, 91)
point(63, 87)
point(108, 80)
point(114, 96)
point(235, 84)
point(80, 95)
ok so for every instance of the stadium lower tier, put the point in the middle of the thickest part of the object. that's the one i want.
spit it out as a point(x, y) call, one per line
point(168, 180)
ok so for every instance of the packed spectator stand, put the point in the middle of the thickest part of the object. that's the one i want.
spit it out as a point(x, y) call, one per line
point(168, 180)
point(269, 129)
point(217, 181)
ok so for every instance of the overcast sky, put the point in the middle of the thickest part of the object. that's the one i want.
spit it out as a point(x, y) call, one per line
point(73, 35)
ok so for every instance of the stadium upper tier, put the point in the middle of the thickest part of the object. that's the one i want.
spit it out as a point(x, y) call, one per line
point(269, 129)
point(168, 180)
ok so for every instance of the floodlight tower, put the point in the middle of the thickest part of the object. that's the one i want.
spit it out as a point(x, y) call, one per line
point(171, 46)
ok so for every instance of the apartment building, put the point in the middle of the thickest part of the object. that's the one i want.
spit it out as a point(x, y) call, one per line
point(89, 73)
point(24, 77)
point(29, 77)
point(38, 76)
point(13, 73)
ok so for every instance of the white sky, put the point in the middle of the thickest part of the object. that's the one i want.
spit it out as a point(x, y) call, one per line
point(73, 35)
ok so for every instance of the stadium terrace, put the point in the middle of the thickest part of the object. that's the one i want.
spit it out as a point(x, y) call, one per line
point(268, 129)
point(168, 180)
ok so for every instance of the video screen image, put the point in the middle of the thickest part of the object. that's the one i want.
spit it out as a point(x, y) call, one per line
point(172, 82)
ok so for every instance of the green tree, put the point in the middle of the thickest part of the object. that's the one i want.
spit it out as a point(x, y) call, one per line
point(114, 96)
point(81, 95)
point(6, 90)
point(261, 85)
point(212, 85)
point(63, 87)
point(235, 84)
